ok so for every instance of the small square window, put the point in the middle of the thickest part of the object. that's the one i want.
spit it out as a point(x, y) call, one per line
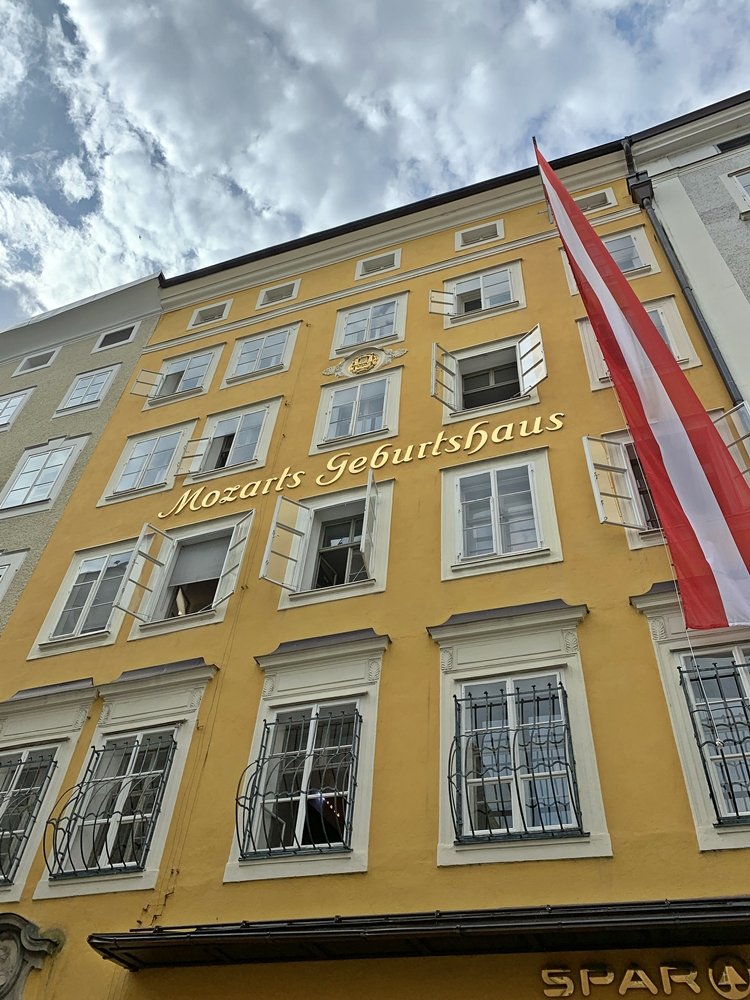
point(88, 389)
point(485, 233)
point(596, 200)
point(278, 293)
point(480, 294)
point(738, 186)
point(10, 406)
point(374, 265)
point(10, 563)
point(115, 338)
point(262, 354)
point(33, 362)
point(210, 314)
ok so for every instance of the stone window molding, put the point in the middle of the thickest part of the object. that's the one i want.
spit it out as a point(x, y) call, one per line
point(23, 947)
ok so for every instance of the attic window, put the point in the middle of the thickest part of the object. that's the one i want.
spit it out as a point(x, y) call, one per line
point(480, 234)
point(383, 262)
point(597, 199)
point(737, 142)
point(34, 361)
point(278, 293)
point(210, 314)
point(114, 338)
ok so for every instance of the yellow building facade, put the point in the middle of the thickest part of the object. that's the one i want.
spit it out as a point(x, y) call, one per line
point(330, 658)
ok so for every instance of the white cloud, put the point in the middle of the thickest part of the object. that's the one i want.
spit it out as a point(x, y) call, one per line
point(18, 35)
point(74, 183)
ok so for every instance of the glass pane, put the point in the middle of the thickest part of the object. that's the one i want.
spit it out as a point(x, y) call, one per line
point(371, 407)
point(355, 326)
point(496, 289)
point(624, 252)
point(516, 510)
point(475, 493)
point(247, 359)
point(88, 574)
point(342, 412)
point(273, 350)
point(246, 440)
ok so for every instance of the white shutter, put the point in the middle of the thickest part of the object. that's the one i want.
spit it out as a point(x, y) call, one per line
point(613, 483)
point(734, 427)
point(145, 573)
point(233, 560)
point(146, 383)
point(444, 377)
point(442, 303)
point(369, 525)
point(532, 365)
point(192, 456)
point(287, 541)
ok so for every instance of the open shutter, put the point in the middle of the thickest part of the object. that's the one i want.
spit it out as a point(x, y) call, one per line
point(287, 540)
point(193, 456)
point(369, 525)
point(613, 483)
point(153, 551)
point(532, 365)
point(442, 303)
point(444, 377)
point(230, 571)
point(146, 383)
point(734, 427)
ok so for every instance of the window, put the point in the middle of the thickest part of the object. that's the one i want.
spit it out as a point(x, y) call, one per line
point(374, 265)
point(489, 375)
point(189, 374)
point(330, 547)
point(148, 463)
point(498, 514)
point(518, 775)
point(738, 184)
point(10, 563)
point(736, 142)
point(88, 389)
point(358, 408)
point(232, 440)
point(665, 316)
point(370, 323)
point(187, 576)
point(24, 777)
point(98, 584)
point(303, 802)
point(513, 771)
point(630, 250)
point(596, 200)
point(485, 233)
point(115, 338)
point(107, 833)
point(301, 794)
point(33, 362)
point(210, 314)
point(262, 354)
point(278, 293)
point(487, 293)
point(39, 475)
point(10, 407)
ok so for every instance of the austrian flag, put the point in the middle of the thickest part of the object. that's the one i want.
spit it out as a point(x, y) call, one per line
point(700, 494)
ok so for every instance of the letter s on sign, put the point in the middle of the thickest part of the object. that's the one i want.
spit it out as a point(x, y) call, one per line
point(558, 981)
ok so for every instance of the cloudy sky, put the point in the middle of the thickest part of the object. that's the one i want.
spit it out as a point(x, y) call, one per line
point(139, 135)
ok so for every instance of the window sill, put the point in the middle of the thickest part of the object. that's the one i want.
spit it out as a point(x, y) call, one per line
point(71, 640)
point(745, 214)
point(95, 884)
point(333, 444)
point(454, 416)
point(593, 845)
point(348, 588)
point(345, 349)
point(173, 397)
point(25, 508)
point(70, 410)
point(257, 869)
point(231, 380)
point(226, 470)
point(163, 626)
point(492, 560)
point(147, 491)
point(484, 313)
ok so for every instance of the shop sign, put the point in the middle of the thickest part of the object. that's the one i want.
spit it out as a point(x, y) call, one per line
point(727, 976)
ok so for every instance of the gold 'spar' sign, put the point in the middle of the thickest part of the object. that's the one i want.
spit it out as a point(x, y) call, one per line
point(727, 976)
point(478, 437)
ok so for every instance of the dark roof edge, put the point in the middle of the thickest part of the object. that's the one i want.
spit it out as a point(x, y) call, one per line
point(691, 116)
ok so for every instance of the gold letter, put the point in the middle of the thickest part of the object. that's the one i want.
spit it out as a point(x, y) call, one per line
point(454, 443)
point(554, 423)
point(210, 498)
point(482, 435)
point(560, 980)
point(597, 975)
point(229, 494)
point(438, 441)
point(377, 455)
point(397, 460)
point(357, 464)
point(635, 979)
point(182, 502)
point(249, 490)
point(340, 457)
point(423, 445)
point(296, 480)
point(507, 436)
point(280, 485)
point(537, 428)
point(195, 498)
point(679, 973)
point(267, 487)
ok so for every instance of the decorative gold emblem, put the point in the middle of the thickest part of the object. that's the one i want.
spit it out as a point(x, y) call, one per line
point(730, 977)
point(363, 362)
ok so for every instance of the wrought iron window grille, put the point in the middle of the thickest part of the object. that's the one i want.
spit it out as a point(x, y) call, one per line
point(719, 709)
point(24, 778)
point(511, 771)
point(105, 823)
point(297, 797)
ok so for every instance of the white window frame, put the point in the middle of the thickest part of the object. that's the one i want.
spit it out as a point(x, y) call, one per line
point(392, 377)
point(643, 247)
point(449, 367)
point(305, 519)
point(667, 628)
point(232, 379)
point(443, 302)
point(195, 319)
point(264, 301)
point(197, 449)
point(369, 267)
point(149, 383)
point(144, 599)
point(328, 672)
point(399, 325)
point(480, 234)
point(532, 641)
point(609, 195)
point(10, 563)
point(453, 566)
point(75, 444)
point(24, 394)
point(65, 408)
point(107, 333)
point(22, 368)
point(38, 718)
point(111, 496)
point(45, 645)
point(678, 341)
point(739, 193)
point(141, 700)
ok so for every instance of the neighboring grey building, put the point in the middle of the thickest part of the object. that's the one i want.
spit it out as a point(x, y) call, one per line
point(61, 375)
point(700, 169)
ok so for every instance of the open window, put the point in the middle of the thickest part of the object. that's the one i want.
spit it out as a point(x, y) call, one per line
point(174, 577)
point(485, 293)
point(232, 440)
point(734, 427)
point(617, 493)
point(488, 375)
point(185, 375)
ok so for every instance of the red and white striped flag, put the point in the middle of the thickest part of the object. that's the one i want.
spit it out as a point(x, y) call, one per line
point(701, 497)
